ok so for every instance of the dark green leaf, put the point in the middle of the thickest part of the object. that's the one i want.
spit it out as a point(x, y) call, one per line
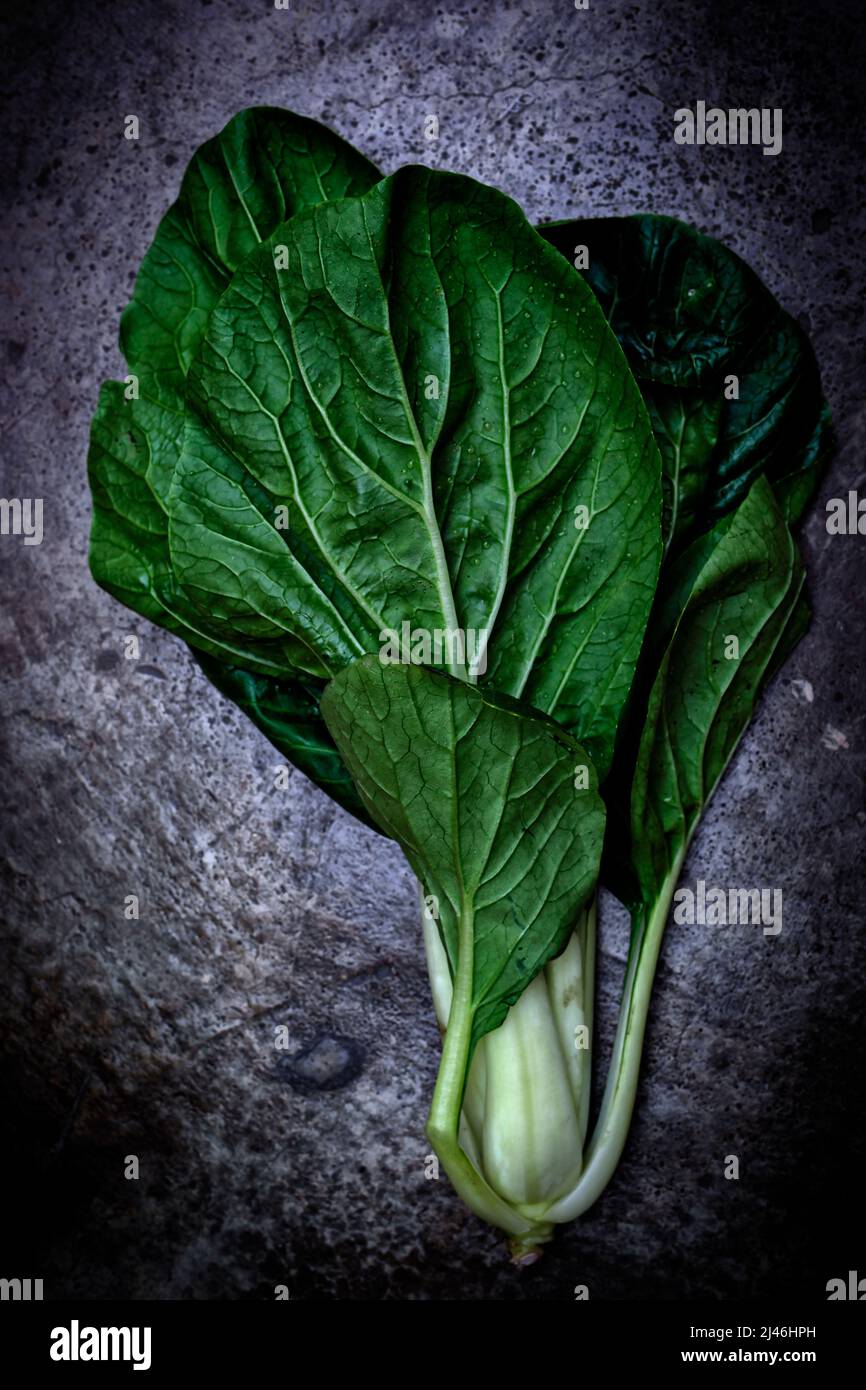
point(261, 169)
point(418, 361)
point(689, 314)
point(480, 793)
point(686, 425)
point(265, 165)
point(130, 443)
point(742, 581)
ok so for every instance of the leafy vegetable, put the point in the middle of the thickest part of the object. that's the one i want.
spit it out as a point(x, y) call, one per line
point(311, 392)
point(481, 796)
point(742, 581)
point(308, 395)
point(690, 314)
point(266, 165)
point(361, 408)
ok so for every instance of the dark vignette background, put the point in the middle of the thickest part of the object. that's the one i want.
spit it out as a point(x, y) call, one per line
point(261, 907)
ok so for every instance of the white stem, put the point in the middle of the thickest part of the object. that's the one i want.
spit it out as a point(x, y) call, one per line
point(611, 1131)
point(532, 1145)
point(571, 985)
point(524, 1111)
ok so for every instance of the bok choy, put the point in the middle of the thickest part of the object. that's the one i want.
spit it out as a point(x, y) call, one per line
point(363, 407)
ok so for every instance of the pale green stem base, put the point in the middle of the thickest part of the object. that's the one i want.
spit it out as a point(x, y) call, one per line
point(511, 1149)
point(614, 1119)
point(444, 1122)
point(514, 1137)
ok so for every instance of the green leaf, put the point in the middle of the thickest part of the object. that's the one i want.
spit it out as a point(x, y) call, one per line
point(419, 362)
point(264, 166)
point(574, 594)
point(261, 169)
point(480, 793)
point(735, 398)
point(686, 425)
point(740, 583)
point(130, 441)
point(689, 314)
point(743, 580)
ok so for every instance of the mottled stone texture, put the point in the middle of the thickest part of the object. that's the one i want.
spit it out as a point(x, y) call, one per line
point(262, 907)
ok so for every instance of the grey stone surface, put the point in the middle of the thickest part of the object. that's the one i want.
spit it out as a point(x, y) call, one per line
point(262, 907)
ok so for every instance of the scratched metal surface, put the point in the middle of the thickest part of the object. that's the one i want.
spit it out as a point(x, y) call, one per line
point(259, 907)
